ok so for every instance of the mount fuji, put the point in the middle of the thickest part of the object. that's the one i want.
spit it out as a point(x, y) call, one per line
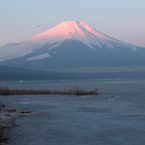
point(71, 44)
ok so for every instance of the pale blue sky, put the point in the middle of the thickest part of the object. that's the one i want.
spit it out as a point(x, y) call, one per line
point(122, 19)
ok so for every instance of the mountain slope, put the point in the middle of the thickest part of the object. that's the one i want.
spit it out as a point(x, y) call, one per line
point(74, 30)
point(71, 44)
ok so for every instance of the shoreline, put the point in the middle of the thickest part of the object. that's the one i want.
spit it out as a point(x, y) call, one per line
point(8, 118)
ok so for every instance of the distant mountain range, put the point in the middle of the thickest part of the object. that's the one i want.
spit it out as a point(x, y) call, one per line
point(18, 74)
point(71, 45)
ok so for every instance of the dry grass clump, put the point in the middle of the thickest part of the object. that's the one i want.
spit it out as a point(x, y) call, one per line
point(6, 91)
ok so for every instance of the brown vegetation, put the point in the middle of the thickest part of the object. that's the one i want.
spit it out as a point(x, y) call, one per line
point(6, 91)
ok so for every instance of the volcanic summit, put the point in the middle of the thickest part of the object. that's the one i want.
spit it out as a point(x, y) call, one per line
point(71, 44)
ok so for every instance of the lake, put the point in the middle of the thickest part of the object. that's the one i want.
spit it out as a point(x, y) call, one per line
point(80, 120)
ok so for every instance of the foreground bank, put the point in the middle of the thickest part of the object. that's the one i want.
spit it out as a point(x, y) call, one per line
point(8, 119)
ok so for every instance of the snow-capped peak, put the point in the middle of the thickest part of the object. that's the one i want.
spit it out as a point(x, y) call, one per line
point(75, 30)
point(68, 30)
point(71, 30)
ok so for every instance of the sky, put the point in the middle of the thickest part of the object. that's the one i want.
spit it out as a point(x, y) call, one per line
point(121, 19)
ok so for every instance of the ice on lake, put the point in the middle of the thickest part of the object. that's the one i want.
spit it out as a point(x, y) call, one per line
point(81, 120)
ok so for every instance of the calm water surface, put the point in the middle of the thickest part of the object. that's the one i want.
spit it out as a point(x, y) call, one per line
point(81, 120)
